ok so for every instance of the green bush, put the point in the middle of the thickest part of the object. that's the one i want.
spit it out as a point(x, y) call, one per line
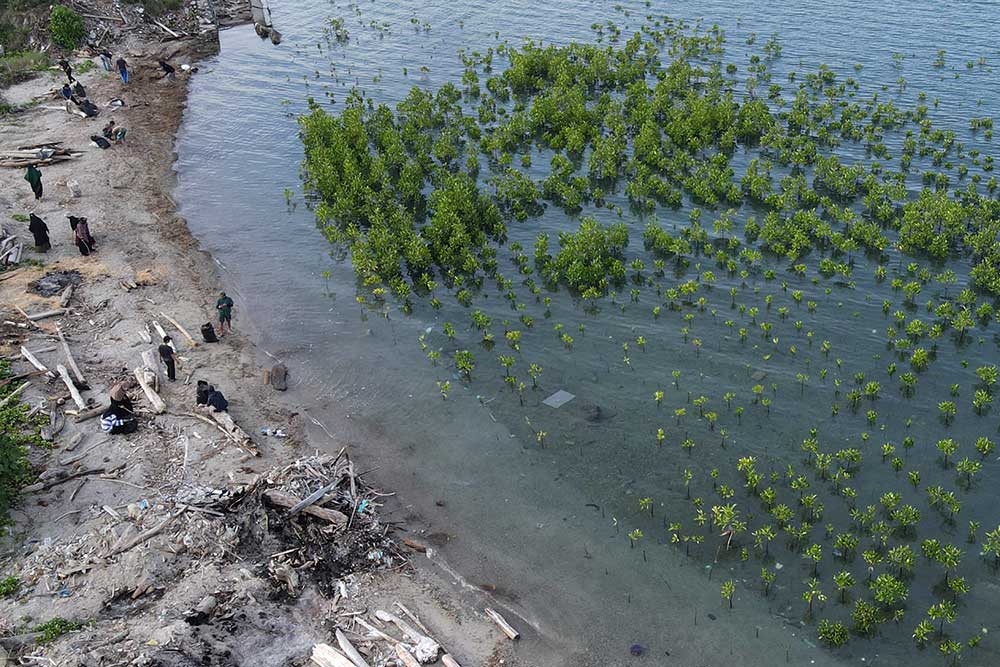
point(9, 586)
point(15, 470)
point(66, 27)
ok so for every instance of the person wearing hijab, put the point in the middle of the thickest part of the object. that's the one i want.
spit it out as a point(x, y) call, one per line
point(81, 235)
point(66, 91)
point(79, 90)
point(122, 68)
point(40, 231)
point(34, 178)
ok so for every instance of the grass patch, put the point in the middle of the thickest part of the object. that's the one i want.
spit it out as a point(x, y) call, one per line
point(20, 217)
point(9, 586)
point(21, 65)
point(84, 66)
point(55, 628)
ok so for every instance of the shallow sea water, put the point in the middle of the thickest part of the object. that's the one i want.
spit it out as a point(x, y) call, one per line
point(546, 527)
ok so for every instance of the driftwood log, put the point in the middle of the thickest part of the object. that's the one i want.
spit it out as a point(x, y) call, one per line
point(159, 406)
point(33, 360)
point(183, 331)
point(502, 623)
point(69, 355)
point(288, 501)
point(325, 655)
point(348, 649)
point(77, 398)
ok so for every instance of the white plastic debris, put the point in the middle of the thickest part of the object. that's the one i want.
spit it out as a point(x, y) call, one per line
point(559, 399)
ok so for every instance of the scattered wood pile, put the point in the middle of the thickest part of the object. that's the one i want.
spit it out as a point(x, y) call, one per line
point(388, 639)
point(10, 249)
point(37, 154)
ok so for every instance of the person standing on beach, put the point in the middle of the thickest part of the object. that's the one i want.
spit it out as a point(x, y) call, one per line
point(40, 231)
point(122, 68)
point(81, 235)
point(225, 307)
point(34, 178)
point(167, 357)
point(106, 60)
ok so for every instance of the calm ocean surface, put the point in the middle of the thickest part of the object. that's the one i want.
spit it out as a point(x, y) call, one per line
point(547, 526)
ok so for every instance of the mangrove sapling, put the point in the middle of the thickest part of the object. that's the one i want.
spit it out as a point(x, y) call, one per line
point(813, 593)
point(973, 529)
point(984, 446)
point(947, 447)
point(968, 468)
point(958, 586)
point(872, 558)
point(844, 581)
point(944, 611)
point(922, 632)
point(727, 591)
point(832, 633)
point(633, 537)
point(444, 388)
point(991, 546)
point(888, 590)
point(814, 552)
point(646, 504)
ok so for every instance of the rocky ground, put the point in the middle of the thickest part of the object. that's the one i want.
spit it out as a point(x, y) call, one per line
point(174, 545)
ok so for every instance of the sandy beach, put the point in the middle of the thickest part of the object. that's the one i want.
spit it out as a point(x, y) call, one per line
point(128, 552)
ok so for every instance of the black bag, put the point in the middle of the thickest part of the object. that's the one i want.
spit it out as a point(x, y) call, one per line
point(208, 333)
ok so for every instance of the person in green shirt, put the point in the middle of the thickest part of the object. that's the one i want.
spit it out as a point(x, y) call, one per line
point(34, 178)
point(225, 307)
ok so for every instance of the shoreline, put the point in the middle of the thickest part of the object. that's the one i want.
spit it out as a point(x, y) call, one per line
point(126, 194)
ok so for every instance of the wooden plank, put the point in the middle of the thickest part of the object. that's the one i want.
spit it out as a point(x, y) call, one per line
point(33, 360)
point(69, 355)
point(159, 407)
point(68, 381)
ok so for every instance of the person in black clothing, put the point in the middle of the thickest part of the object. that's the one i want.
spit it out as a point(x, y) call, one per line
point(168, 71)
point(79, 90)
point(216, 400)
point(64, 64)
point(201, 393)
point(40, 231)
point(167, 356)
